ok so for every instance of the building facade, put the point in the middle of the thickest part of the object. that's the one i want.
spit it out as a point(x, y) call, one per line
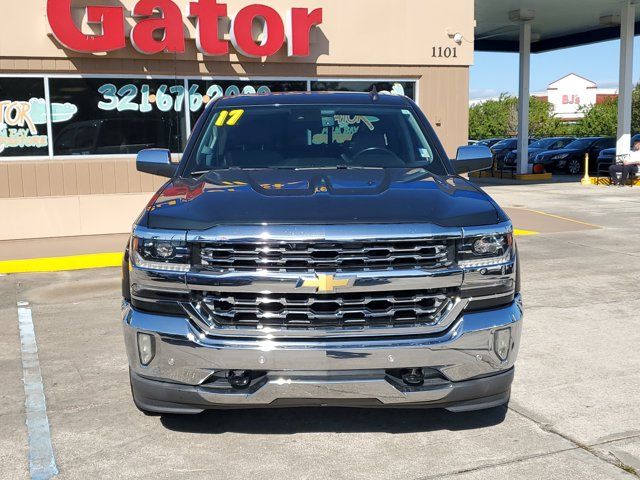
point(572, 95)
point(85, 85)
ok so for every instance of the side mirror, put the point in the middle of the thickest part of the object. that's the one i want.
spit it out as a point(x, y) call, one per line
point(156, 161)
point(473, 159)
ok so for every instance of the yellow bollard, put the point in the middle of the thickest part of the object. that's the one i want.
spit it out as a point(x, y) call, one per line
point(586, 180)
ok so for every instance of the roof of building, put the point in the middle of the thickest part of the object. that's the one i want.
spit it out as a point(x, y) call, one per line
point(557, 24)
point(569, 75)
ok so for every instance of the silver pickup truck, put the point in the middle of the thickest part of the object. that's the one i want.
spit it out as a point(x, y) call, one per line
point(319, 249)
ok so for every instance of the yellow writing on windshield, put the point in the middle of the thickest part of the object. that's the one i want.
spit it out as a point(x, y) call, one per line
point(229, 118)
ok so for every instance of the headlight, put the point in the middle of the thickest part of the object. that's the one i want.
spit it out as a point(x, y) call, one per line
point(485, 250)
point(159, 252)
point(562, 156)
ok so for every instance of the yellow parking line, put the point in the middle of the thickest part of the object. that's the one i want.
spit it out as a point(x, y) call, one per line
point(522, 233)
point(56, 264)
point(559, 217)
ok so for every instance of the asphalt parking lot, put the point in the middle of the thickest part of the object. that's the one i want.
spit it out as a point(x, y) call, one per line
point(574, 411)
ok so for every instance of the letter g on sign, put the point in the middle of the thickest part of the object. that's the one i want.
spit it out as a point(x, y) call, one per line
point(69, 35)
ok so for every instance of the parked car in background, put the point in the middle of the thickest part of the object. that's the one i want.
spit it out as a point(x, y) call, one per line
point(501, 149)
point(608, 155)
point(542, 145)
point(571, 158)
point(489, 142)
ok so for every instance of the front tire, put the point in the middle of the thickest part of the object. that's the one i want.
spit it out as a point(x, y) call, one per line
point(574, 166)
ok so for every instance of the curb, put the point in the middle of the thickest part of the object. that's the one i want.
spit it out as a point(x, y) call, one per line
point(57, 264)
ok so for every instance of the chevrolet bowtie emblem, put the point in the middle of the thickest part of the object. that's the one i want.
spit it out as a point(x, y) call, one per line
point(324, 283)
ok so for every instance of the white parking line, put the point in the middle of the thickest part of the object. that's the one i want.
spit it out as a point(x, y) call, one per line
point(42, 463)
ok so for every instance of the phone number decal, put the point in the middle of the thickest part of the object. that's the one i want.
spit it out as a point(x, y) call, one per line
point(166, 98)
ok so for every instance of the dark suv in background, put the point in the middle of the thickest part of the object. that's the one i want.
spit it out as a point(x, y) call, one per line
point(488, 142)
point(570, 159)
point(608, 155)
point(542, 145)
point(503, 148)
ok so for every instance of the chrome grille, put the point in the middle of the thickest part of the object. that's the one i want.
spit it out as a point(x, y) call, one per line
point(327, 256)
point(344, 310)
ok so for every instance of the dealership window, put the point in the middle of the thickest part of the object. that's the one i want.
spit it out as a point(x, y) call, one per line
point(106, 116)
point(399, 88)
point(201, 92)
point(23, 118)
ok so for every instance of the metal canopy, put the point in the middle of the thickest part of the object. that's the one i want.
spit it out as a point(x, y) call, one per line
point(557, 23)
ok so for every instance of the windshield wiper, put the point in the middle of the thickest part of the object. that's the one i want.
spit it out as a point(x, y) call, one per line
point(202, 172)
point(198, 173)
point(341, 167)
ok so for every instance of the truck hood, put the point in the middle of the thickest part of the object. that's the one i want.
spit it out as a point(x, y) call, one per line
point(319, 196)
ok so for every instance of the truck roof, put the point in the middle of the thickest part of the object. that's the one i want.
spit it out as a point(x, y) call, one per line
point(311, 98)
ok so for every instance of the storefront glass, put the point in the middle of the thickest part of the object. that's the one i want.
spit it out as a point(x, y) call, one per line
point(120, 116)
point(117, 116)
point(23, 117)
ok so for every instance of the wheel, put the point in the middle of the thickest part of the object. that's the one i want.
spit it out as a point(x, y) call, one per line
point(574, 166)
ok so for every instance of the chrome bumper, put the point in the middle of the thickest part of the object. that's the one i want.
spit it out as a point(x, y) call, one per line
point(343, 371)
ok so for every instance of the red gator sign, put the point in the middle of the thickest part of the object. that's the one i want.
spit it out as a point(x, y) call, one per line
point(165, 17)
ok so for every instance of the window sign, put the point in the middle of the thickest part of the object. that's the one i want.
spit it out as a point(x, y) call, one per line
point(23, 117)
point(343, 128)
point(121, 116)
point(201, 92)
point(118, 116)
point(395, 88)
point(131, 98)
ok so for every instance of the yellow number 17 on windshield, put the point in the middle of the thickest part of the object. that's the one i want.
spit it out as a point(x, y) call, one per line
point(229, 118)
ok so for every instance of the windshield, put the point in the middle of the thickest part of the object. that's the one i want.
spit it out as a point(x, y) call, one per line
point(313, 136)
point(544, 143)
point(508, 143)
point(580, 143)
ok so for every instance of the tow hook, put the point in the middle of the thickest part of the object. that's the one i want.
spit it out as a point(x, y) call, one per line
point(239, 379)
point(414, 377)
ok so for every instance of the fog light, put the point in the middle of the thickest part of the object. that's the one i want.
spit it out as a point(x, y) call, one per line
point(502, 343)
point(146, 348)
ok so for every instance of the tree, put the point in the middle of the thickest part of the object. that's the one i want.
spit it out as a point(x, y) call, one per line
point(491, 118)
point(635, 109)
point(543, 122)
point(599, 119)
point(499, 118)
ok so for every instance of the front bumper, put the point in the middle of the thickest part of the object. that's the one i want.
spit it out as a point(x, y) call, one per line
point(308, 371)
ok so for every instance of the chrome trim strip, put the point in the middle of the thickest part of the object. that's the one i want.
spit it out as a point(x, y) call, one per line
point(350, 232)
point(159, 234)
point(292, 282)
point(499, 228)
point(208, 327)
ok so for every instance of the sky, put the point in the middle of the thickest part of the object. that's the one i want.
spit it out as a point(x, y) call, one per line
point(496, 73)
